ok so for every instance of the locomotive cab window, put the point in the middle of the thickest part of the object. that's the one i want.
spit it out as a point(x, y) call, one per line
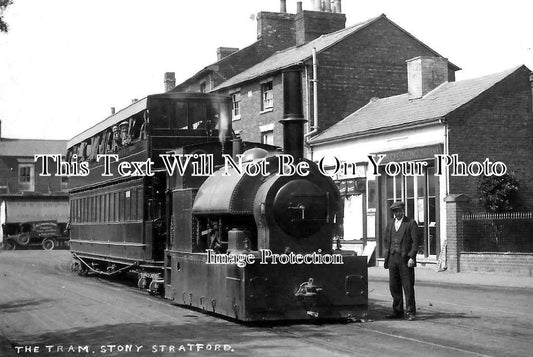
point(197, 115)
point(160, 114)
point(180, 116)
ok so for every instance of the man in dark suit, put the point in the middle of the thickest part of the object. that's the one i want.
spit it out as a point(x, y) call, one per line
point(401, 245)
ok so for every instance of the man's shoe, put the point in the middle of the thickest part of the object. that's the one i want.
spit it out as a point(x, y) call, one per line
point(411, 317)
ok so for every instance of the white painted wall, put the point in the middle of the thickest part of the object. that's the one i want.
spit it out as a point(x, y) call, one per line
point(357, 150)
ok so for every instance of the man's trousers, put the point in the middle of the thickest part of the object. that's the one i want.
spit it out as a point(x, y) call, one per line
point(401, 277)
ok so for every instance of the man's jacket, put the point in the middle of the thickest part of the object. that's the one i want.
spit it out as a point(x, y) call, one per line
point(409, 241)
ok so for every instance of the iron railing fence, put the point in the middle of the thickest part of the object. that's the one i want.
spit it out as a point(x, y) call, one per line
point(498, 232)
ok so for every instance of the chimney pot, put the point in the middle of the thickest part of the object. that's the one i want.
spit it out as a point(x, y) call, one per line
point(425, 74)
point(112, 110)
point(223, 52)
point(170, 81)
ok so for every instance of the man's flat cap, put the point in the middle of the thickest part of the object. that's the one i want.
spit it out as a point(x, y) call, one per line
point(397, 205)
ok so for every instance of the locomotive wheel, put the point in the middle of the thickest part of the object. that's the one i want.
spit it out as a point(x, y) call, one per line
point(48, 244)
point(142, 283)
point(82, 270)
point(74, 266)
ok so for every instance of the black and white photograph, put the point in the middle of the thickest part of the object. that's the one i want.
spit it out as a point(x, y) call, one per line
point(266, 178)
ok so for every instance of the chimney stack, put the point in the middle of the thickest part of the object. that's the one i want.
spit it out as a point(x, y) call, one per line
point(299, 7)
point(170, 81)
point(425, 74)
point(225, 52)
point(283, 6)
point(313, 24)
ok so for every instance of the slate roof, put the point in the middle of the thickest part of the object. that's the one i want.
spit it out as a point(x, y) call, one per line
point(399, 110)
point(297, 54)
point(30, 147)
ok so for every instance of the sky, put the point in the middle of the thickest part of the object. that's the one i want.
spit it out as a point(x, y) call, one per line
point(65, 63)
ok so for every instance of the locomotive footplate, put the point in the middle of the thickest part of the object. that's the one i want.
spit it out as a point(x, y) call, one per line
point(260, 292)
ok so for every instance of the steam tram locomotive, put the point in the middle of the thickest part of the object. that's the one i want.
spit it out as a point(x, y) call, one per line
point(180, 232)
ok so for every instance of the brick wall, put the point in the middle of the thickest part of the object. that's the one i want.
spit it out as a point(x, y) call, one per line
point(501, 263)
point(499, 126)
point(42, 184)
point(371, 63)
point(252, 117)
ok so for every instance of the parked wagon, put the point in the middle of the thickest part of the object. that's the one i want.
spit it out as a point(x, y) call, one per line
point(46, 234)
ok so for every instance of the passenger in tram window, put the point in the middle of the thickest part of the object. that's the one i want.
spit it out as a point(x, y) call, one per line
point(124, 135)
point(95, 147)
point(102, 145)
point(144, 127)
point(116, 145)
point(108, 141)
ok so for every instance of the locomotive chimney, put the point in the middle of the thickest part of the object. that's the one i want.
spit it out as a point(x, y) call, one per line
point(293, 120)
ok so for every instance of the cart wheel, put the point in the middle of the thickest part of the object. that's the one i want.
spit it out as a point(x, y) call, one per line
point(23, 239)
point(48, 244)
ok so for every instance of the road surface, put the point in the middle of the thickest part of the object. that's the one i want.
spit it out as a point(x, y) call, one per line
point(45, 310)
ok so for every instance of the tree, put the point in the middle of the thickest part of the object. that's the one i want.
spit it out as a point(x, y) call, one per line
point(3, 5)
point(499, 193)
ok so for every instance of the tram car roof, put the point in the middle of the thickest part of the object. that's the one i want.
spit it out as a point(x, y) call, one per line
point(133, 109)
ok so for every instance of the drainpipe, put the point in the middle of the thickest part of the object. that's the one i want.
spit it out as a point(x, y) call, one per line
point(314, 126)
point(446, 151)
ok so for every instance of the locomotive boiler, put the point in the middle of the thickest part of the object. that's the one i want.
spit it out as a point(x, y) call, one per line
point(259, 246)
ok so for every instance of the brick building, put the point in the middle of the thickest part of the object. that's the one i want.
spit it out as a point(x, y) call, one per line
point(24, 194)
point(342, 68)
point(476, 119)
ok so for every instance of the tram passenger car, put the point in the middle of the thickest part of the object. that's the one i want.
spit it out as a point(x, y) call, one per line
point(164, 227)
point(118, 221)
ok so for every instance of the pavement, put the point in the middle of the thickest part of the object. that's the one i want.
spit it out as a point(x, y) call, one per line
point(430, 276)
